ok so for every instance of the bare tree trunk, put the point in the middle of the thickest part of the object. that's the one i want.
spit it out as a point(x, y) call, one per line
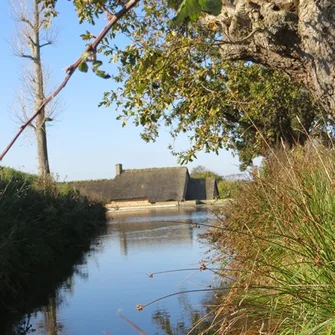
point(295, 36)
point(33, 32)
point(42, 149)
point(40, 128)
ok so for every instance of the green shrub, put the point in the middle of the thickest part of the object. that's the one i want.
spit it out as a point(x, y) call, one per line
point(278, 239)
point(40, 223)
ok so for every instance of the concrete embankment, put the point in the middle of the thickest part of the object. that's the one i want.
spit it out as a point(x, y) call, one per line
point(144, 204)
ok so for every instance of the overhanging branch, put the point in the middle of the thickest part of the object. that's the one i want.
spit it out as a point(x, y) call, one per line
point(113, 19)
point(27, 56)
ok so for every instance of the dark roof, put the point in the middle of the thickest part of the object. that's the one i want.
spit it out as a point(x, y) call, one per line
point(154, 185)
point(157, 184)
point(202, 189)
point(96, 189)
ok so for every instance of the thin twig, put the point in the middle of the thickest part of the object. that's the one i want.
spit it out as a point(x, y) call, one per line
point(72, 68)
point(150, 275)
point(140, 306)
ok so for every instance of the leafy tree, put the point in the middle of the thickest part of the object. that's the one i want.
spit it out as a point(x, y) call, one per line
point(240, 106)
point(202, 172)
point(288, 35)
point(195, 95)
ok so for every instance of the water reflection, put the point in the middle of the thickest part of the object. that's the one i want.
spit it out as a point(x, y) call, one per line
point(113, 277)
point(205, 320)
point(50, 323)
point(139, 235)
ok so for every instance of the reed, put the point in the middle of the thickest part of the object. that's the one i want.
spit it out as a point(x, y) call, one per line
point(279, 237)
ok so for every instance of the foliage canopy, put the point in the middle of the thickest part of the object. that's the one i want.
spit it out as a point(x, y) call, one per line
point(175, 76)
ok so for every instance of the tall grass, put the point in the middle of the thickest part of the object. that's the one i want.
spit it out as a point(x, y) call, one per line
point(229, 188)
point(278, 239)
point(40, 224)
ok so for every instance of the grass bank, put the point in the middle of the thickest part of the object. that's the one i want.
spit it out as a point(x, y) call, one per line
point(41, 223)
point(277, 247)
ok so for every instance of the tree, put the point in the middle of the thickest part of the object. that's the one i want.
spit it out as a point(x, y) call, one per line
point(296, 37)
point(278, 34)
point(202, 172)
point(32, 34)
point(293, 36)
point(237, 105)
point(189, 89)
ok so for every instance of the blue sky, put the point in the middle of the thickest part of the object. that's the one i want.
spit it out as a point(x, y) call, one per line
point(85, 142)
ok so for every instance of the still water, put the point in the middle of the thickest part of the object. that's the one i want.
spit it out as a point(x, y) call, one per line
point(113, 278)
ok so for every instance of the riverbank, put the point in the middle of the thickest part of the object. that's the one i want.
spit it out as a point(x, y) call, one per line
point(277, 246)
point(41, 223)
point(146, 205)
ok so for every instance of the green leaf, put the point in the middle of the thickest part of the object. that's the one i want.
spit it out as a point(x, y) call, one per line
point(188, 9)
point(192, 9)
point(83, 67)
point(96, 65)
point(100, 73)
point(211, 6)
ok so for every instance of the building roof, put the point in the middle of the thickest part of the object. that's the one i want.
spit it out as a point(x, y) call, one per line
point(156, 185)
point(95, 189)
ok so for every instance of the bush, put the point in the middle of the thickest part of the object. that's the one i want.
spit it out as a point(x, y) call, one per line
point(40, 223)
point(279, 242)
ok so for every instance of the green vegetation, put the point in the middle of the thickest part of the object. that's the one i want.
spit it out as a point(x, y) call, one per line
point(240, 106)
point(192, 9)
point(202, 172)
point(41, 223)
point(229, 189)
point(278, 238)
point(277, 246)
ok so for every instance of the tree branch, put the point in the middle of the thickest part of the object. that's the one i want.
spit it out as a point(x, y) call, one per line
point(43, 22)
point(241, 41)
point(113, 19)
point(25, 20)
point(31, 40)
point(27, 56)
point(45, 44)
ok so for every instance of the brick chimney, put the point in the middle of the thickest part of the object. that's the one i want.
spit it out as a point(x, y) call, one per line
point(118, 169)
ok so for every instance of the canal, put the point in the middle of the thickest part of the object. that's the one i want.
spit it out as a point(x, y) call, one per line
point(115, 277)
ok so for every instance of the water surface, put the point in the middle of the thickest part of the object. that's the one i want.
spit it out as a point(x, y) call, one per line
point(114, 278)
